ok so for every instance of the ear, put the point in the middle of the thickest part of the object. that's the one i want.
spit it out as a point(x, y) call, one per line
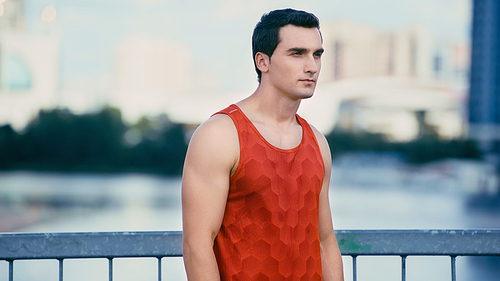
point(262, 62)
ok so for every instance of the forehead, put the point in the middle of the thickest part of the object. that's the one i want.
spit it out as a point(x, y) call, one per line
point(292, 36)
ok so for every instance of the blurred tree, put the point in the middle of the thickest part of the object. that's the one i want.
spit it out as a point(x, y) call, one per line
point(424, 149)
point(60, 140)
point(163, 146)
point(341, 141)
point(429, 148)
point(9, 147)
point(100, 142)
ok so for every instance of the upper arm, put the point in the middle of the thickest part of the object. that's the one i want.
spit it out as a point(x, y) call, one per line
point(212, 154)
point(325, 216)
point(331, 258)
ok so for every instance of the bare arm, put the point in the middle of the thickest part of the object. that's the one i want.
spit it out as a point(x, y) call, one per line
point(331, 259)
point(212, 155)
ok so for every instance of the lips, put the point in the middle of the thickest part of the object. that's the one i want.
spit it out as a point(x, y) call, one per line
point(308, 80)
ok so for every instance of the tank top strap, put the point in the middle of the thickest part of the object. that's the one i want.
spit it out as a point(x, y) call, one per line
point(306, 128)
point(228, 110)
point(239, 120)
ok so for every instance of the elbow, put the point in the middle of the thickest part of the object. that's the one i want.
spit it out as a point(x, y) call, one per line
point(189, 256)
point(185, 249)
point(199, 259)
point(195, 246)
point(188, 249)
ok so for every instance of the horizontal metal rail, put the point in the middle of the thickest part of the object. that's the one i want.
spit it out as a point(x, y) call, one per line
point(90, 245)
point(169, 244)
point(419, 242)
point(354, 243)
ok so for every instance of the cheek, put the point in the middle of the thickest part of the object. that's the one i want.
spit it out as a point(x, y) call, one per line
point(283, 72)
point(291, 70)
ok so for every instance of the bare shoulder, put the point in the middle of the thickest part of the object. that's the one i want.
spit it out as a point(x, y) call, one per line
point(216, 123)
point(215, 141)
point(218, 129)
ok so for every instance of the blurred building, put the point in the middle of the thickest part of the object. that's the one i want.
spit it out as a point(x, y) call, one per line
point(402, 84)
point(484, 99)
point(452, 63)
point(400, 108)
point(12, 17)
point(149, 75)
point(359, 50)
point(28, 67)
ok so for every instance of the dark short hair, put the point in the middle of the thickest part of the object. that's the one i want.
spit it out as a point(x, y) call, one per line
point(265, 36)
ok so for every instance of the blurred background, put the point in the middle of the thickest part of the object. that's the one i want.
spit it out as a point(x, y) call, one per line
point(99, 98)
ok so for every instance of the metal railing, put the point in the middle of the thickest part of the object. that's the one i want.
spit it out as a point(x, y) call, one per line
point(354, 243)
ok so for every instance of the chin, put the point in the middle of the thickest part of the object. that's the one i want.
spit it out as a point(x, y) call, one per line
point(304, 93)
point(307, 95)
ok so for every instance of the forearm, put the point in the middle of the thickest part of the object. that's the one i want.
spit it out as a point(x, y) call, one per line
point(200, 263)
point(331, 261)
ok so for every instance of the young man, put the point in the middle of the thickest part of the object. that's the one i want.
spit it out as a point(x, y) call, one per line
point(255, 184)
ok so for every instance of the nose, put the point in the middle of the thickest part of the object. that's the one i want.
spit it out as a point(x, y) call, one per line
point(312, 65)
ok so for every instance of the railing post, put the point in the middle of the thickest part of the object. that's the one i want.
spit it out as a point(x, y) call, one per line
point(110, 267)
point(11, 270)
point(403, 268)
point(159, 268)
point(354, 269)
point(60, 269)
point(453, 268)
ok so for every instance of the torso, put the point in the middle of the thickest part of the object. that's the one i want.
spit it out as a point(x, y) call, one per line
point(270, 225)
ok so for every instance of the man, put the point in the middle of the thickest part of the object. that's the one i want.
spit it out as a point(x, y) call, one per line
point(255, 184)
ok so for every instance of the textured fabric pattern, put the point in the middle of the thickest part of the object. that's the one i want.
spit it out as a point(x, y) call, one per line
point(270, 226)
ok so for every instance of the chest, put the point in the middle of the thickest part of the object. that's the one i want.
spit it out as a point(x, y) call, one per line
point(283, 138)
point(264, 167)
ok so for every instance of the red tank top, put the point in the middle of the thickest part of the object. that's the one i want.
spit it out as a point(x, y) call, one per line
point(270, 225)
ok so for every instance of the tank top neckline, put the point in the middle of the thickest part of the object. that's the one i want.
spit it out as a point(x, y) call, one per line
point(293, 149)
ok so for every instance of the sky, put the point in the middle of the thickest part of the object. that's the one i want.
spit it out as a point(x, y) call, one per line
point(218, 33)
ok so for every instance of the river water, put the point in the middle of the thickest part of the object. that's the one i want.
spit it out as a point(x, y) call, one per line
point(389, 196)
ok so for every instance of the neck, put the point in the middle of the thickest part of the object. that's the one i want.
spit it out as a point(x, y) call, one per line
point(272, 105)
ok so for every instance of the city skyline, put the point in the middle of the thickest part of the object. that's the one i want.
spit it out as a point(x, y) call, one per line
point(216, 31)
point(205, 49)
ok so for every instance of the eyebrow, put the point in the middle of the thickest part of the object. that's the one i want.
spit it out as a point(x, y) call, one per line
point(303, 50)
